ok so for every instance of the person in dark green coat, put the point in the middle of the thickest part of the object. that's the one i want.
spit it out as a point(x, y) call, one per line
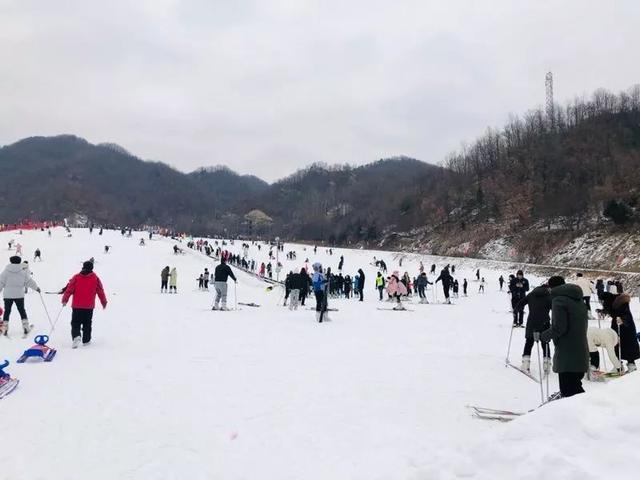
point(569, 334)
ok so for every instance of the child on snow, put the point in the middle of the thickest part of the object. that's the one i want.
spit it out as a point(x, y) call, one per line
point(396, 289)
point(84, 287)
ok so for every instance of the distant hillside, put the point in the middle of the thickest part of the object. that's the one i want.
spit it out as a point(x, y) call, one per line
point(347, 204)
point(55, 177)
point(524, 192)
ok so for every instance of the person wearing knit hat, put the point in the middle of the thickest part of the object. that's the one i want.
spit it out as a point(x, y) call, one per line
point(84, 287)
point(15, 281)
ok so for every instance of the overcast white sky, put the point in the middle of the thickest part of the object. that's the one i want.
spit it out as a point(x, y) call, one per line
point(267, 87)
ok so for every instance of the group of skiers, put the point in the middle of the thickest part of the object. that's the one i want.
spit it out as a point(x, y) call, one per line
point(15, 280)
point(560, 311)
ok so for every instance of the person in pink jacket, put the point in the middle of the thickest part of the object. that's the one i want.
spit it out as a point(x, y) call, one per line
point(396, 289)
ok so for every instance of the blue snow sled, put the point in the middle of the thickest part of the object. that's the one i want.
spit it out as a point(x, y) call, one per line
point(7, 384)
point(39, 350)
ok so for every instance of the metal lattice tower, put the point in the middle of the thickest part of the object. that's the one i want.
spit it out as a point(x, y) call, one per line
point(548, 82)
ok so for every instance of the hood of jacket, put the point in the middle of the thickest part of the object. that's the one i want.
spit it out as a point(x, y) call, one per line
point(14, 268)
point(567, 290)
point(621, 300)
point(540, 291)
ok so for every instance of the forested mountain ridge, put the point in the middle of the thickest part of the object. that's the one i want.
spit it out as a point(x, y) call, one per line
point(524, 192)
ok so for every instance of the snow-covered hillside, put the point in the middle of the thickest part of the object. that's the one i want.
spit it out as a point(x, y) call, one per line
point(169, 389)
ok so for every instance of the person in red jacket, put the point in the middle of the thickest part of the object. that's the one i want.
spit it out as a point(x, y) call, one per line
point(84, 287)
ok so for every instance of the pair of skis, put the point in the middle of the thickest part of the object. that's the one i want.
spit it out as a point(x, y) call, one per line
point(506, 415)
point(493, 414)
point(524, 372)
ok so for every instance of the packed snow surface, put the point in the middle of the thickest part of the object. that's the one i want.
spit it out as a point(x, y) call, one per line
point(169, 389)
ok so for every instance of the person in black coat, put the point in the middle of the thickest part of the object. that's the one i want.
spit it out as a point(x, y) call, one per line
point(447, 281)
point(617, 307)
point(518, 288)
point(361, 284)
point(305, 285)
point(538, 320)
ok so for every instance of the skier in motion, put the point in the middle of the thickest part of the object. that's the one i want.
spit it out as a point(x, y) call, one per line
point(220, 276)
point(518, 288)
point(447, 281)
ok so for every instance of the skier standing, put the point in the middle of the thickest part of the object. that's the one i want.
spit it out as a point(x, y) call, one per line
point(84, 287)
point(569, 334)
point(320, 291)
point(456, 288)
point(518, 288)
point(221, 275)
point(206, 279)
point(305, 285)
point(15, 280)
point(539, 303)
point(421, 284)
point(447, 281)
point(617, 307)
point(37, 255)
point(296, 283)
point(164, 279)
point(379, 284)
point(361, 284)
point(396, 289)
point(287, 287)
point(465, 284)
point(173, 280)
point(478, 275)
point(501, 282)
point(481, 288)
point(587, 289)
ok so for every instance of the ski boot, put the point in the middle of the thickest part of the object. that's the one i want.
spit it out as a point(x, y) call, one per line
point(4, 328)
point(526, 363)
point(26, 327)
point(631, 367)
point(76, 342)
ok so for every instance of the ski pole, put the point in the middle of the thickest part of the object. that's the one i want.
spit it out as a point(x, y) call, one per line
point(46, 311)
point(549, 357)
point(604, 359)
point(235, 294)
point(55, 322)
point(540, 371)
point(506, 360)
point(620, 348)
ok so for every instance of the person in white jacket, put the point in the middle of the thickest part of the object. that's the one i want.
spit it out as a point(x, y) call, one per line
point(14, 281)
point(587, 289)
point(602, 337)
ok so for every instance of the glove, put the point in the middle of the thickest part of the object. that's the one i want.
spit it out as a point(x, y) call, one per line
point(64, 304)
point(38, 290)
point(536, 336)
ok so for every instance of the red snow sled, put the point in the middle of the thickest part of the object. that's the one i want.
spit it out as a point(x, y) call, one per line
point(39, 350)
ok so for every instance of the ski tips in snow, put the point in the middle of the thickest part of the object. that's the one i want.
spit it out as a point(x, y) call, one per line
point(524, 372)
point(39, 350)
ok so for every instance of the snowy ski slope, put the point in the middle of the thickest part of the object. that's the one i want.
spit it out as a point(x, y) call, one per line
point(171, 390)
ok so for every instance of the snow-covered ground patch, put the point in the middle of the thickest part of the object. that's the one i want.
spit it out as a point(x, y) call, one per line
point(171, 390)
